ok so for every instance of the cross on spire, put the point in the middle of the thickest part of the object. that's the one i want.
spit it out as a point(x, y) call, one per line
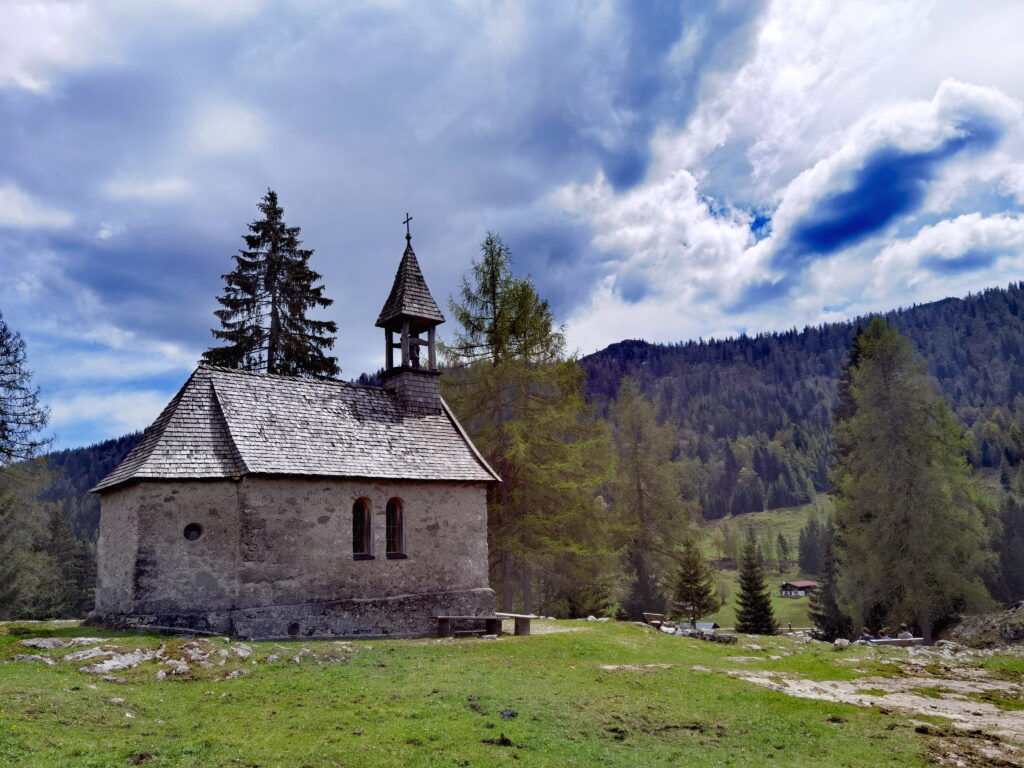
point(408, 218)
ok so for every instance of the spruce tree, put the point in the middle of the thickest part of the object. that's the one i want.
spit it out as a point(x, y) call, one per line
point(521, 399)
point(755, 615)
point(693, 593)
point(913, 536)
point(21, 415)
point(265, 304)
point(824, 610)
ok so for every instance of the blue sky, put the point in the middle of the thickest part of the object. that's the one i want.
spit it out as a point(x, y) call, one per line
point(663, 170)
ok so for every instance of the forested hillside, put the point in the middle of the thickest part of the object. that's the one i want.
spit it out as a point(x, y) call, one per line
point(75, 471)
point(755, 411)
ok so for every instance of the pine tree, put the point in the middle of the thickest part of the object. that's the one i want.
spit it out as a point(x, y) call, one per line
point(266, 298)
point(755, 615)
point(647, 496)
point(522, 402)
point(824, 610)
point(912, 522)
point(693, 593)
point(21, 415)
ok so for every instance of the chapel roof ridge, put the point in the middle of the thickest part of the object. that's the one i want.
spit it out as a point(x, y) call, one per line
point(266, 375)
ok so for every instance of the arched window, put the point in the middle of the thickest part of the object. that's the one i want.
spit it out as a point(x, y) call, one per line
point(361, 530)
point(394, 529)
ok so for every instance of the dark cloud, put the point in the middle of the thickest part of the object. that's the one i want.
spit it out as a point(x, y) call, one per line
point(890, 183)
point(966, 262)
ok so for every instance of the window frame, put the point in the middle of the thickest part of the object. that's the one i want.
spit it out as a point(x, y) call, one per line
point(366, 553)
point(390, 527)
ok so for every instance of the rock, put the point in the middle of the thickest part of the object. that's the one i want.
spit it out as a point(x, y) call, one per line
point(176, 667)
point(753, 647)
point(604, 618)
point(112, 679)
point(508, 714)
point(591, 618)
point(490, 637)
point(89, 653)
point(35, 657)
point(116, 700)
point(43, 643)
point(272, 658)
point(840, 643)
point(241, 650)
point(160, 675)
point(236, 673)
point(119, 661)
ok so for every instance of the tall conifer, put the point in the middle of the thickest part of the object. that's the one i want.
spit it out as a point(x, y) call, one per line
point(693, 593)
point(755, 615)
point(648, 499)
point(912, 522)
point(266, 298)
point(824, 610)
point(522, 401)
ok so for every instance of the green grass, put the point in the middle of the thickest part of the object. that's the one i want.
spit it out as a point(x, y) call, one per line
point(788, 521)
point(429, 703)
point(788, 610)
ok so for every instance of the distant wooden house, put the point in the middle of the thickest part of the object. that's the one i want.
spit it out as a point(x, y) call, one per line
point(797, 588)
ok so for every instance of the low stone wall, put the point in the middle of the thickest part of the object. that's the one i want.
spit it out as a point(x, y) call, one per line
point(398, 616)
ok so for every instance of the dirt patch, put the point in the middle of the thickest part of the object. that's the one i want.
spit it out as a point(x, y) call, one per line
point(948, 697)
point(635, 667)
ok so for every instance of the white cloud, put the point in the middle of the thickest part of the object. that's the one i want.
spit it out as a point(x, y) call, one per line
point(41, 39)
point(828, 85)
point(225, 128)
point(117, 411)
point(18, 209)
point(165, 188)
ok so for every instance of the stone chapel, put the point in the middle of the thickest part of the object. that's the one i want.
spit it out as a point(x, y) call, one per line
point(267, 506)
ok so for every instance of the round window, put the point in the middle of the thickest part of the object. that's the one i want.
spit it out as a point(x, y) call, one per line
point(193, 531)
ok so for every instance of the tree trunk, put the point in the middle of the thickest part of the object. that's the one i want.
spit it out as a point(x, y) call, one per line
point(926, 627)
point(506, 582)
point(526, 586)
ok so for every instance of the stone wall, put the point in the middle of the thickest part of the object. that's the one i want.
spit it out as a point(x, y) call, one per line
point(275, 557)
point(419, 391)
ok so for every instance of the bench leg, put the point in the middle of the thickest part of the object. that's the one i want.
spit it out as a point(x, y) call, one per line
point(522, 626)
point(493, 627)
point(444, 628)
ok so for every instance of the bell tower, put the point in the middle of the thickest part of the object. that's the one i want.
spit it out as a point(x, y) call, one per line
point(410, 313)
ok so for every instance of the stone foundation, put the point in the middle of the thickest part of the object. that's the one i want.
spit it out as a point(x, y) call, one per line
point(398, 616)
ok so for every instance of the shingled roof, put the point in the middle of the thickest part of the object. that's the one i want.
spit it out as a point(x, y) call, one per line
point(227, 423)
point(409, 294)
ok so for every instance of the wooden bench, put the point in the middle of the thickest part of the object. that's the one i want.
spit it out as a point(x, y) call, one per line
point(445, 628)
point(522, 621)
point(899, 643)
point(658, 620)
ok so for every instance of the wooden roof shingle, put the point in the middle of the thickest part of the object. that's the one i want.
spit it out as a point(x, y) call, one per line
point(228, 423)
point(409, 294)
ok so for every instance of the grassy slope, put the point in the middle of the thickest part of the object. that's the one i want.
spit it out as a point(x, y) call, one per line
point(788, 522)
point(430, 703)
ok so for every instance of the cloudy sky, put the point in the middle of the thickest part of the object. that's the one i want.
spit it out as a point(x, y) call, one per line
point(663, 170)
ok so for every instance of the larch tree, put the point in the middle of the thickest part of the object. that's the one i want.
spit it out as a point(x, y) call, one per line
point(267, 297)
point(652, 514)
point(912, 522)
point(521, 399)
point(693, 591)
point(754, 615)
